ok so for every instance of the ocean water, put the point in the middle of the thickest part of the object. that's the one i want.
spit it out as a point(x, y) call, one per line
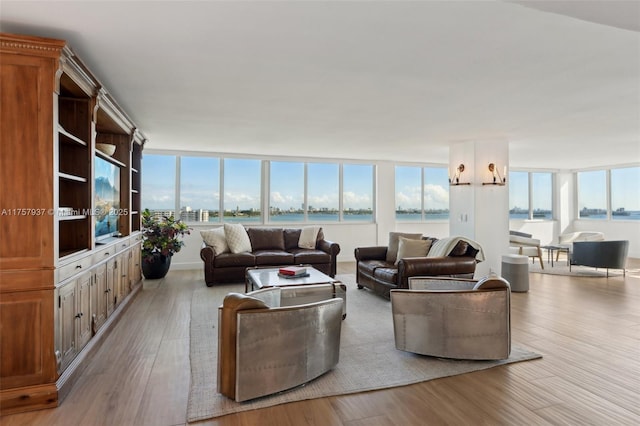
point(417, 217)
point(298, 218)
point(401, 217)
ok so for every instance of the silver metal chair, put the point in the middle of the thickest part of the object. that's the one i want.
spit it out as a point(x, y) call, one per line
point(265, 347)
point(453, 317)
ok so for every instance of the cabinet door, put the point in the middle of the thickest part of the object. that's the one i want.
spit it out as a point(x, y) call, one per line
point(66, 326)
point(26, 340)
point(99, 297)
point(26, 157)
point(113, 280)
point(135, 270)
point(125, 285)
point(83, 309)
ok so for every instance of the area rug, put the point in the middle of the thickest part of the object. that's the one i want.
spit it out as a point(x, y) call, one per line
point(561, 268)
point(368, 357)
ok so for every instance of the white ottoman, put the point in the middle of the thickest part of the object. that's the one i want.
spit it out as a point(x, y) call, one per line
point(515, 269)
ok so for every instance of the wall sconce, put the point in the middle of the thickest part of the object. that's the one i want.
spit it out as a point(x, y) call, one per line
point(497, 179)
point(455, 179)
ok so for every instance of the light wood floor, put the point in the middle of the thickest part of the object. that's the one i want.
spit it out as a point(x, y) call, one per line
point(587, 329)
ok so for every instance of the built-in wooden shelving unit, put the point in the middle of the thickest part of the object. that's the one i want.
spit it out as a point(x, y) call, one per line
point(63, 279)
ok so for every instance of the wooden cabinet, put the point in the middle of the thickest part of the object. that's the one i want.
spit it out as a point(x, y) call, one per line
point(113, 283)
point(58, 296)
point(74, 318)
point(99, 295)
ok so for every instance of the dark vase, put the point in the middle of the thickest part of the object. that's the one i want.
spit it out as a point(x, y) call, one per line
point(156, 269)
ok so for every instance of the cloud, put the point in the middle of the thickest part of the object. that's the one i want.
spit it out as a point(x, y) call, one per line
point(357, 201)
point(324, 200)
point(435, 196)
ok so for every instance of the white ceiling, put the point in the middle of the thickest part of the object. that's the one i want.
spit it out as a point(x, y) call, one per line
point(560, 80)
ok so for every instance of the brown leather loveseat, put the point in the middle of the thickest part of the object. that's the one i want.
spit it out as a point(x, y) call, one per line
point(380, 268)
point(269, 247)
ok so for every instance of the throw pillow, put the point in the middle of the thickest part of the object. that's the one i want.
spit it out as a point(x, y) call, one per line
point(412, 248)
point(308, 237)
point(460, 248)
point(216, 239)
point(392, 247)
point(237, 238)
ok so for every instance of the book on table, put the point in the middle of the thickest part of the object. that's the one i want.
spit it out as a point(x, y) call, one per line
point(290, 277)
point(293, 271)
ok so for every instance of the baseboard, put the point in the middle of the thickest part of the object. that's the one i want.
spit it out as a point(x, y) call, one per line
point(28, 398)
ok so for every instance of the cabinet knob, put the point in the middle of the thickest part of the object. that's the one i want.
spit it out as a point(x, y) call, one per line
point(78, 266)
point(79, 315)
point(106, 254)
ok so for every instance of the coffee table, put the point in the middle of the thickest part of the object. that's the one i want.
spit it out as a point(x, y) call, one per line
point(268, 277)
point(558, 249)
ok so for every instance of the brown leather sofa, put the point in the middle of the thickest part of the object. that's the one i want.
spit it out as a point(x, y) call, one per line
point(376, 273)
point(270, 247)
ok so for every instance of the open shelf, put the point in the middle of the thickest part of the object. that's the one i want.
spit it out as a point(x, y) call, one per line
point(109, 159)
point(67, 137)
point(72, 177)
point(72, 217)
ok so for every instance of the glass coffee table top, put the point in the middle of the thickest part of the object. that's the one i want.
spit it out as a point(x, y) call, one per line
point(268, 277)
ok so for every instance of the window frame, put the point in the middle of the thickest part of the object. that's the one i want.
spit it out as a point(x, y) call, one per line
point(530, 196)
point(265, 188)
point(424, 218)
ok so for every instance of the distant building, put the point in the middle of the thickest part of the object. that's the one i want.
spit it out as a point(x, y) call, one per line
point(187, 214)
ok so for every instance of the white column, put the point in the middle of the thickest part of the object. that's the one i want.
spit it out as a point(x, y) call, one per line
point(477, 211)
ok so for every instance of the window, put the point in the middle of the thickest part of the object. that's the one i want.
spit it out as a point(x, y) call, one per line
point(357, 192)
point(213, 189)
point(159, 184)
point(242, 188)
point(286, 193)
point(625, 194)
point(436, 193)
point(518, 195)
point(541, 196)
point(408, 193)
point(322, 192)
point(422, 193)
point(592, 194)
point(530, 195)
point(199, 189)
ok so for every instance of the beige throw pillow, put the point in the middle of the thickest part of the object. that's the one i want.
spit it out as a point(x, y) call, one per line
point(237, 238)
point(392, 248)
point(216, 239)
point(412, 248)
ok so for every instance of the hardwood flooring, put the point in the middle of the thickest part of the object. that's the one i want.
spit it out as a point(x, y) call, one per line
point(587, 329)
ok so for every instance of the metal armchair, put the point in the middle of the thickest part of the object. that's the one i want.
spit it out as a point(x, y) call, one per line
point(453, 318)
point(265, 348)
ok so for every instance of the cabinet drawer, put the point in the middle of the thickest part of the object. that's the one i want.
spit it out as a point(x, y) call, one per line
point(74, 267)
point(122, 244)
point(103, 254)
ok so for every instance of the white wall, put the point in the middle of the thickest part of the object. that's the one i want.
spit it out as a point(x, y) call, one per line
point(477, 211)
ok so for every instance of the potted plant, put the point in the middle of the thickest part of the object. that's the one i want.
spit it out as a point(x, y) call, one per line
point(161, 239)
